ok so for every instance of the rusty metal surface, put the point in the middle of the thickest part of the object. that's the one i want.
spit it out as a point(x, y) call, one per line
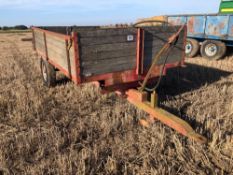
point(217, 27)
point(206, 26)
point(196, 26)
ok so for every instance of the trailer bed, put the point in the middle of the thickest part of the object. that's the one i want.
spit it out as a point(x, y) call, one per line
point(111, 56)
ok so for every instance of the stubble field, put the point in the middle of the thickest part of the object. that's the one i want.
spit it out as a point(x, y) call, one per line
point(77, 130)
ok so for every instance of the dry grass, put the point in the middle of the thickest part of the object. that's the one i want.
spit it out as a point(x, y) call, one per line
point(76, 130)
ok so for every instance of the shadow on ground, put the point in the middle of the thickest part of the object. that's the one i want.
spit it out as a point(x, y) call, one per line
point(189, 78)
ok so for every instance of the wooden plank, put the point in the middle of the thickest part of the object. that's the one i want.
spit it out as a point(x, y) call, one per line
point(39, 38)
point(158, 45)
point(122, 60)
point(40, 47)
point(106, 40)
point(52, 53)
point(107, 54)
point(60, 49)
point(58, 45)
point(38, 34)
point(55, 39)
point(103, 69)
point(174, 56)
point(39, 42)
point(170, 60)
point(61, 52)
point(107, 32)
point(108, 47)
point(60, 60)
point(157, 48)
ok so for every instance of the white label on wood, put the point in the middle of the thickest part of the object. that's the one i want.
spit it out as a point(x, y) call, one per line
point(130, 38)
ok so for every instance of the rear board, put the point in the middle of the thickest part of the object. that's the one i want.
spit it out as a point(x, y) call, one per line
point(155, 38)
point(107, 50)
point(56, 49)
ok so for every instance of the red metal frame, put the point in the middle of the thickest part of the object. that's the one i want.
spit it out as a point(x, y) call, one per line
point(78, 79)
point(140, 51)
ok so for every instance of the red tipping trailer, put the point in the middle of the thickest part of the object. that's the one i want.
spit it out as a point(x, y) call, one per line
point(118, 59)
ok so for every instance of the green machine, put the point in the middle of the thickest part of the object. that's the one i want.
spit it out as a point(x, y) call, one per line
point(226, 7)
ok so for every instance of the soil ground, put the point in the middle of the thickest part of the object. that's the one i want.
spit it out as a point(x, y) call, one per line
point(77, 130)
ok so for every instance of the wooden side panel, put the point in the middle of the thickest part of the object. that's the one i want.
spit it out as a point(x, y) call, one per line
point(39, 41)
point(105, 51)
point(155, 38)
point(59, 51)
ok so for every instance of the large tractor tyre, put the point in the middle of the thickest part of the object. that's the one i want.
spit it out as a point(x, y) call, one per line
point(48, 73)
point(213, 50)
point(192, 48)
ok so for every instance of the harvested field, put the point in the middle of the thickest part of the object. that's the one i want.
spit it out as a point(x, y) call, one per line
point(76, 130)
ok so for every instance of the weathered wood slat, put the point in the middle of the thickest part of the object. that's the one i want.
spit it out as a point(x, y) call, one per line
point(108, 47)
point(40, 46)
point(57, 45)
point(107, 54)
point(174, 56)
point(170, 59)
point(59, 49)
point(55, 54)
point(107, 32)
point(157, 48)
point(103, 69)
point(106, 40)
point(54, 38)
point(39, 38)
point(109, 62)
point(40, 42)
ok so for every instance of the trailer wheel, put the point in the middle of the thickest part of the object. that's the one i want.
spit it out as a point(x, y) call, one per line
point(213, 50)
point(48, 73)
point(192, 48)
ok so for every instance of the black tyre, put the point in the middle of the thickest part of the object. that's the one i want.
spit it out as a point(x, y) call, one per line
point(213, 50)
point(192, 48)
point(48, 73)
